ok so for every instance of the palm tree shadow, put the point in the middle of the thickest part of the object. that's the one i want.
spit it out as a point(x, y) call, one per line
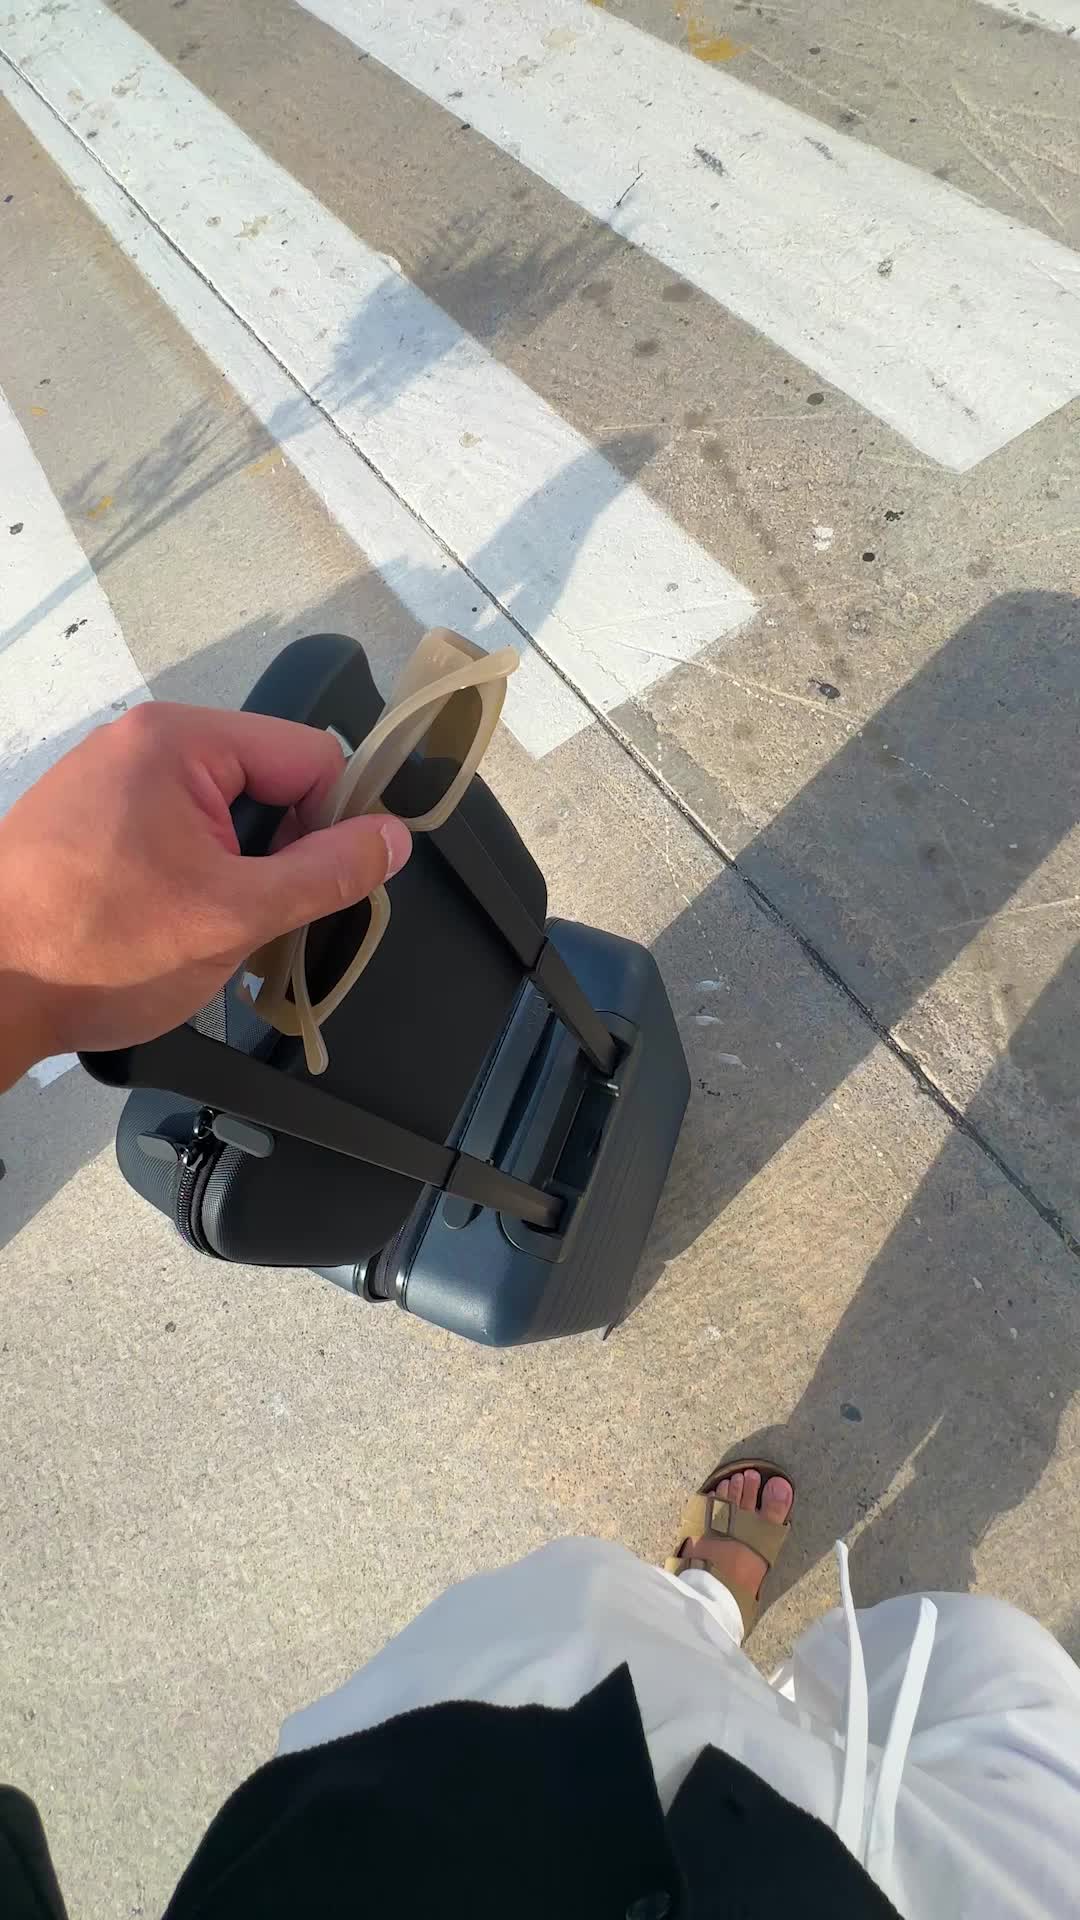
point(475, 292)
point(393, 340)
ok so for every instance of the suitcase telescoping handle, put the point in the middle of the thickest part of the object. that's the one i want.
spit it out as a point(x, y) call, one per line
point(199, 1068)
point(466, 854)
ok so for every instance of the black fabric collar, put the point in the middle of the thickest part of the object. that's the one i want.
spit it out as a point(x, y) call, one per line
point(533, 1812)
point(746, 1853)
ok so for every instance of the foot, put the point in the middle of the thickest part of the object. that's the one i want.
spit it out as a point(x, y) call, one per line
point(734, 1564)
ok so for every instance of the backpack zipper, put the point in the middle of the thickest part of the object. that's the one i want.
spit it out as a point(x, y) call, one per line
point(195, 1160)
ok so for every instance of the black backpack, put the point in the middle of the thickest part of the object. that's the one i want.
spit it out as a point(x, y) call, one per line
point(485, 1146)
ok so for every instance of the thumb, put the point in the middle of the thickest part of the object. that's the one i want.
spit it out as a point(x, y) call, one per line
point(323, 872)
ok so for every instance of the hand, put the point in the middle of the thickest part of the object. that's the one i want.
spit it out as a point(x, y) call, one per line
point(125, 903)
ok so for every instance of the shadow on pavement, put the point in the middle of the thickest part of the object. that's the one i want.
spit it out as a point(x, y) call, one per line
point(998, 702)
point(378, 357)
point(988, 1364)
point(995, 709)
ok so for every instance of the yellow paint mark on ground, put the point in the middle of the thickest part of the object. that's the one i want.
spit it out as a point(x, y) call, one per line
point(267, 462)
point(702, 39)
point(705, 44)
point(39, 412)
point(103, 506)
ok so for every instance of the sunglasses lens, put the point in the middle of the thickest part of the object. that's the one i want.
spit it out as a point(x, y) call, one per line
point(424, 781)
point(331, 945)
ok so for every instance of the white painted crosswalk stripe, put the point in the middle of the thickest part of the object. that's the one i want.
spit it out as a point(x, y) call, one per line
point(958, 327)
point(540, 708)
point(64, 664)
point(613, 591)
point(1061, 15)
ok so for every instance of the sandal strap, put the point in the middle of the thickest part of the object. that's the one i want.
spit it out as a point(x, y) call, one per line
point(705, 1514)
point(748, 1603)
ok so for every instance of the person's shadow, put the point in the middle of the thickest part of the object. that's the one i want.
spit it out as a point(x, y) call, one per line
point(991, 1361)
point(935, 1405)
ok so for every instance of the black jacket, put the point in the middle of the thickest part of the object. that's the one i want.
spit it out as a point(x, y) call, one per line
point(517, 1813)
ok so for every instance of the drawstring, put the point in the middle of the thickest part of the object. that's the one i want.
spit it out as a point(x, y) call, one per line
point(849, 1813)
point(879, 1841)
point(876, 1852)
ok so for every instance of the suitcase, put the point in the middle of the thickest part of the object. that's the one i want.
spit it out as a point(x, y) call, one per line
point(504, 1094)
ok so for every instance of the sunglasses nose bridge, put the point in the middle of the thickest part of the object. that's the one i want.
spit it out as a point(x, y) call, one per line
point(372, 768)
point(443, 729)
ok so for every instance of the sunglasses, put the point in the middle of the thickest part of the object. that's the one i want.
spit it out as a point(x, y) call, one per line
point(416, 762)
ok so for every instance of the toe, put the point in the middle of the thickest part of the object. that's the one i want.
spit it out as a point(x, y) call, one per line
point(735, 1495)
point(723, 1490)
point(777, 1499)
point(751, 1487)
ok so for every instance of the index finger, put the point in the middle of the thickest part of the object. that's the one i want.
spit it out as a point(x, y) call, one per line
point(280, 762)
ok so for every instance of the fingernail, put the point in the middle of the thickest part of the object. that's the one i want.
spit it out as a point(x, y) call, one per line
point(397, 840)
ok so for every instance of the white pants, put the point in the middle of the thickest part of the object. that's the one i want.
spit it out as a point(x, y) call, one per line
point(983, 1814)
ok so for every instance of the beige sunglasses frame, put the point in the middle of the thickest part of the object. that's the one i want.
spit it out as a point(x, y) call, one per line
point(443, 664)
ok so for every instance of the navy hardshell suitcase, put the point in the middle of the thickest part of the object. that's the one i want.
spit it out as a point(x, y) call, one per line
point(489, 1142)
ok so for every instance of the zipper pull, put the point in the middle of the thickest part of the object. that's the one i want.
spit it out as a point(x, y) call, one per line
point(202, 1134)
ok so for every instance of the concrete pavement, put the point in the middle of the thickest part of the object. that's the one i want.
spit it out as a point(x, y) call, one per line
point(849, 833)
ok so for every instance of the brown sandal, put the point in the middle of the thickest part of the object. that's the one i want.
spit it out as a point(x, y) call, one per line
point(704, 1514)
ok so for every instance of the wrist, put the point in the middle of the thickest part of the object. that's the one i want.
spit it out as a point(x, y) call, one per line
point(25, 1027)
point(29, 1020)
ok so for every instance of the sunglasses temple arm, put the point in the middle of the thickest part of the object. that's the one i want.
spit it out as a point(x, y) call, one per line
point(197, 1067)
point(470, 860)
